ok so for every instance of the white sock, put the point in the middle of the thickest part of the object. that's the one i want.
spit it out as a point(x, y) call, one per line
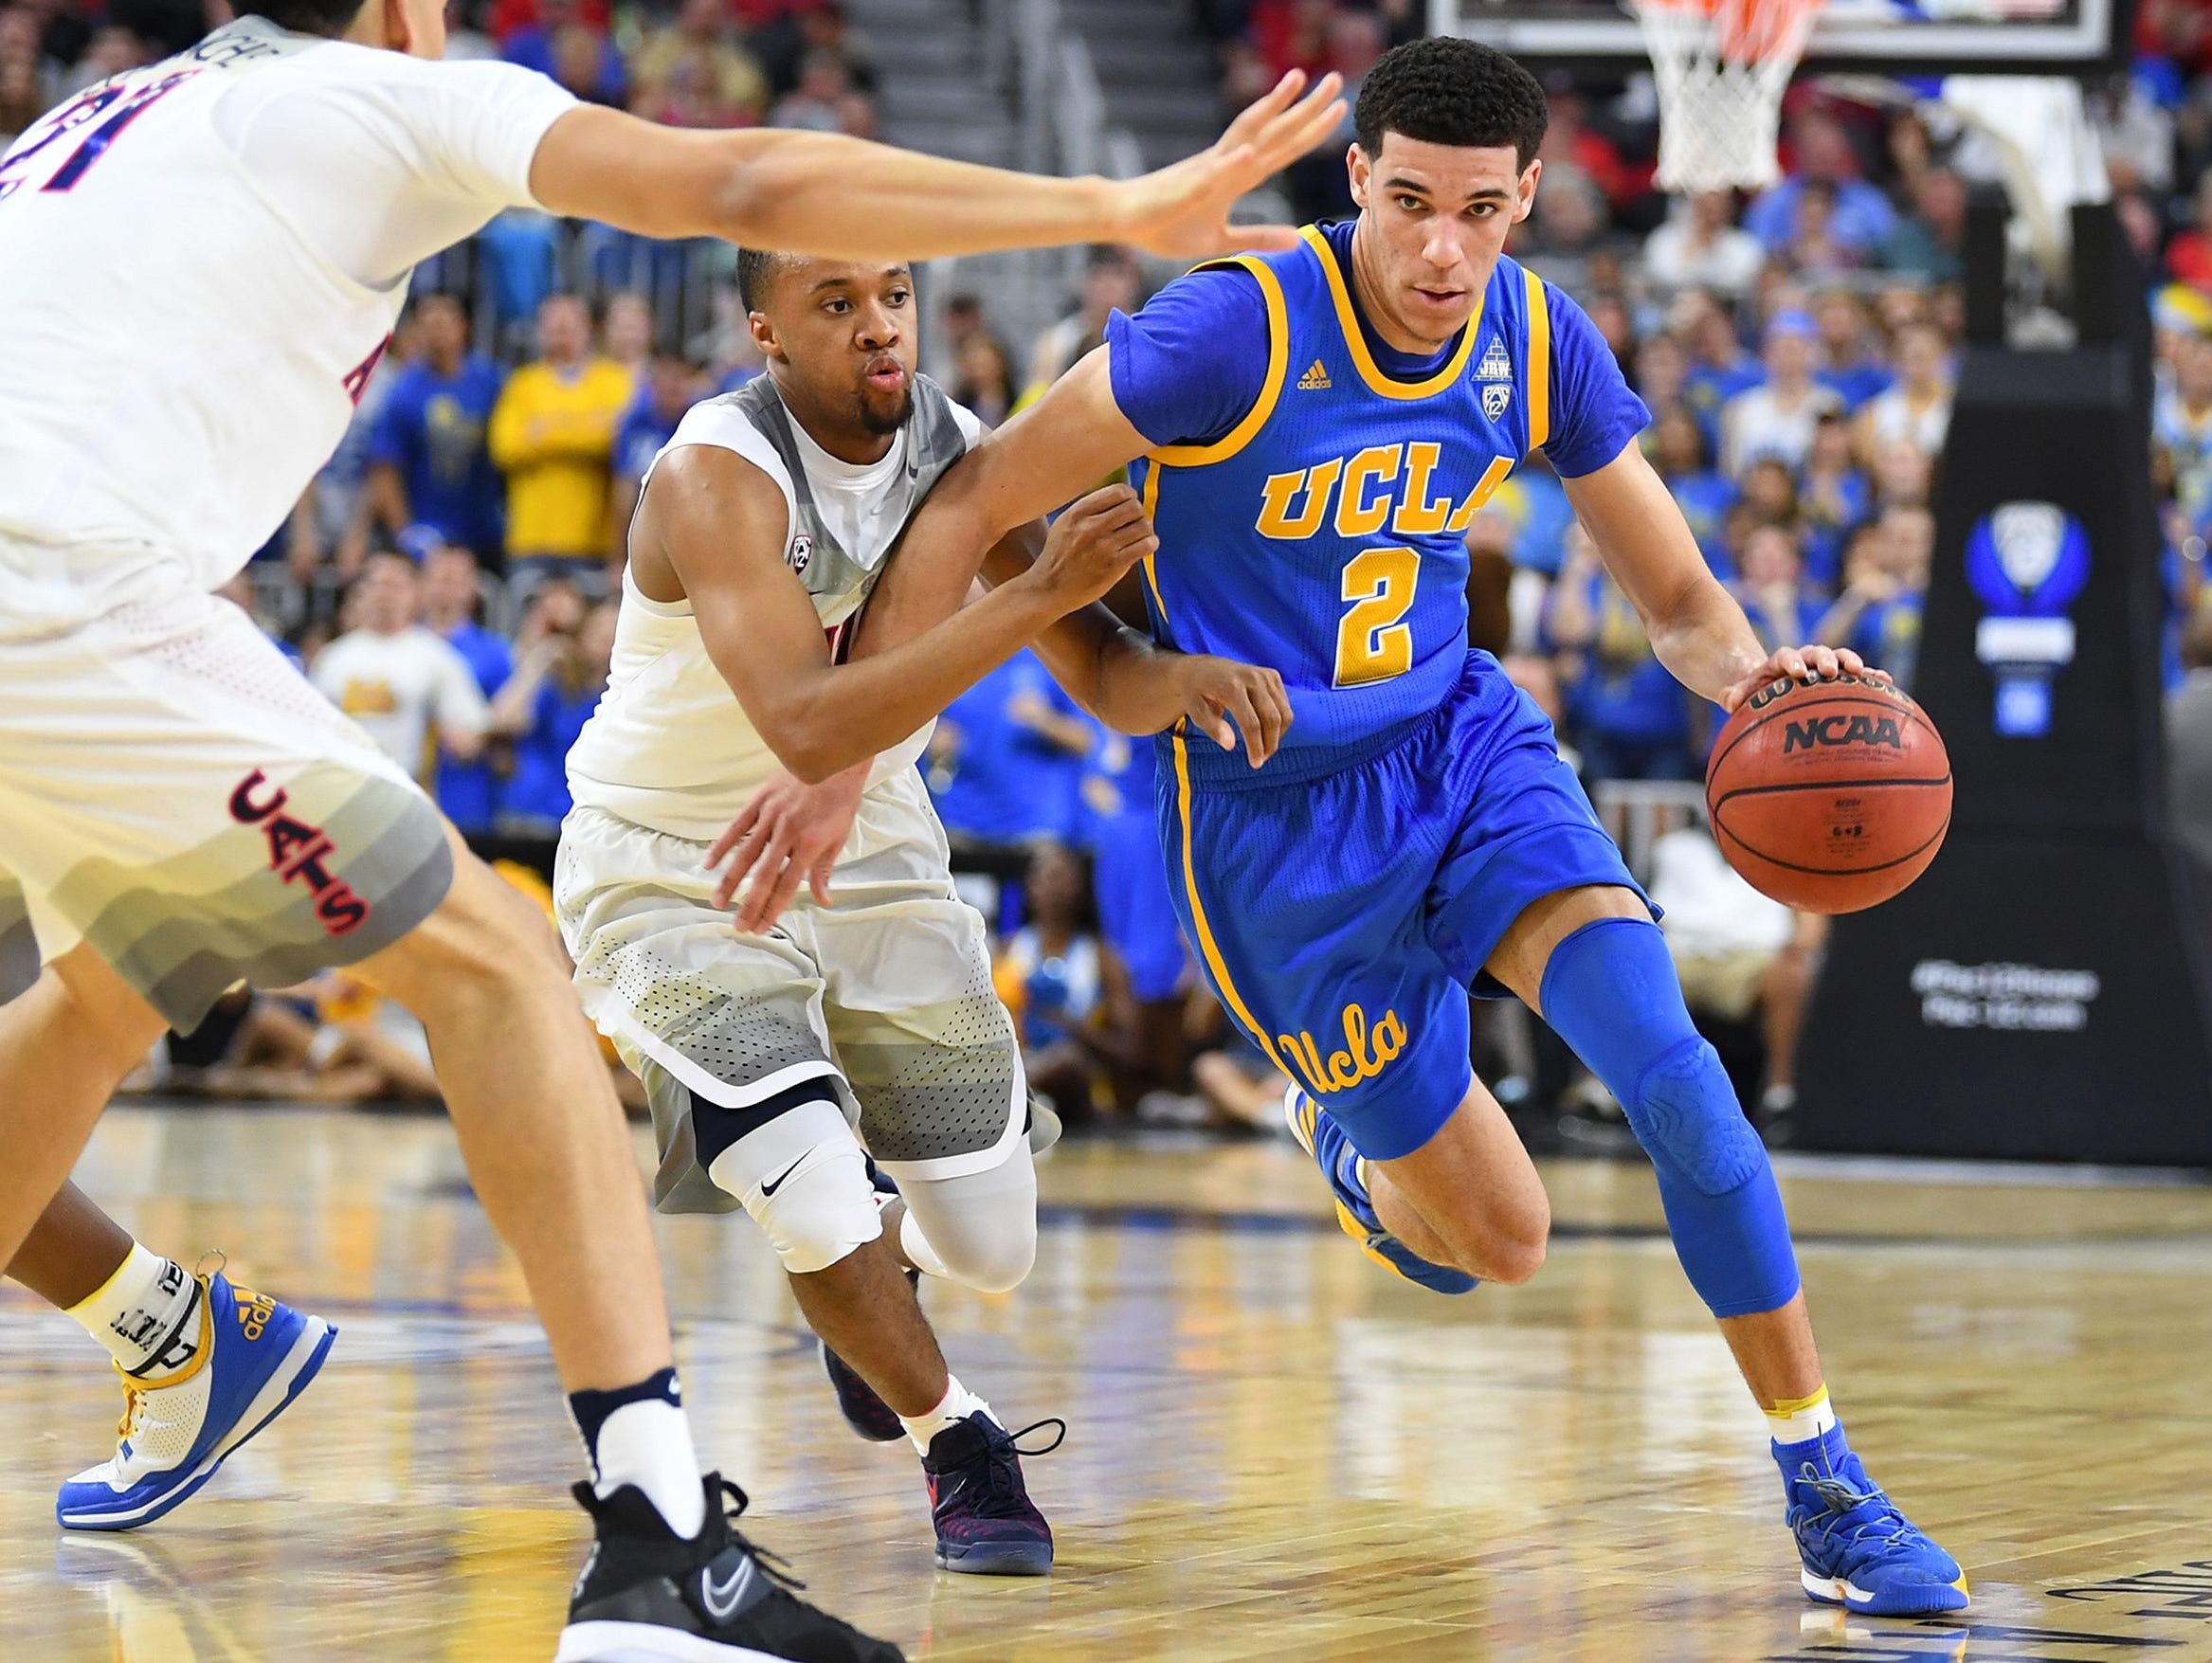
point(648, 1443)
point(957, 1404)
point(148, 1315)
point(1802, 1419)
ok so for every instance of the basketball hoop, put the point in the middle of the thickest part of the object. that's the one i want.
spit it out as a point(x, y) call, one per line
point(1722, 66)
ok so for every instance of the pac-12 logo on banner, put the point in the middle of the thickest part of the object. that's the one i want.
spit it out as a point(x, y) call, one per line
point(2027, 561)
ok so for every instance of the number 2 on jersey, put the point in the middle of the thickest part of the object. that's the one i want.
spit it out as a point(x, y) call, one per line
point(121, 105)
point(1371, 644)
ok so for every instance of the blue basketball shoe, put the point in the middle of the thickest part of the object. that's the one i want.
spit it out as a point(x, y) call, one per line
point(1859, 1551)
point(254, 1357)
point(987, 1525)
point(1323, 1139)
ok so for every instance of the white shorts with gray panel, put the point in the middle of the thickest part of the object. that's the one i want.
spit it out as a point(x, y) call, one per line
point(885, 994)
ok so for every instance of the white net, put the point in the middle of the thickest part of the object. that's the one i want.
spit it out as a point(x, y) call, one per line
point(1721, 71)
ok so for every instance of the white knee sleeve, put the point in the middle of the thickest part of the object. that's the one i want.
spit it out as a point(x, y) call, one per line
point(805, 1181)
point(979, 1230)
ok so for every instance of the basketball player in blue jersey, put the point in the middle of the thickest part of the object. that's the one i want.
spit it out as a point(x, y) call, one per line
point(1312, 432)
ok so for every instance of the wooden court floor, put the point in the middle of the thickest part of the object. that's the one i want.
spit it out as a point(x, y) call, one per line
point(1277, 1452)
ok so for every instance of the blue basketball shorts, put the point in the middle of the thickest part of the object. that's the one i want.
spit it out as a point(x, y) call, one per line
point(1136, 912)
point(1343, 901)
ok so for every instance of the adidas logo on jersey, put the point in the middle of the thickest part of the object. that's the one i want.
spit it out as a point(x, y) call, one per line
point(1315, 379)
point(1495, 365)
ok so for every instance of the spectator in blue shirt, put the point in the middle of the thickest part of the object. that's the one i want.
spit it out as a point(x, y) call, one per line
point(1675, 446)
point(562, 40)
point(1930, 244)
point(1851, 362)
point(1769, 491)
point(1661, 375)
point(671, 385)
point(1005, 767)
point(542, 710)
point(1006, 763)
point(1879, 611)
point(1773, 589)
point(1630, 716)
point(1050, 976)
point(1719, 367)
point(452, 605)
point(1834, 495)
point(428, 465)
point(1534, 504)
point(1146, 965)
point(1820, 150)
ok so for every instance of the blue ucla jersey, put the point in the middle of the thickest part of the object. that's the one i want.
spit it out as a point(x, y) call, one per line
point(1324, 535)
point(1312, 491)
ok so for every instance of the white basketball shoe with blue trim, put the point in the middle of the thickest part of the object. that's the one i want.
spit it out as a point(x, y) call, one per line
point(255, 1356)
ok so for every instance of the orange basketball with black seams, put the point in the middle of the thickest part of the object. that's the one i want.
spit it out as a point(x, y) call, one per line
point(1830, 796)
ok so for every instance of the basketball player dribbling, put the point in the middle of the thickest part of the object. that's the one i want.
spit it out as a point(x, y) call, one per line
point(200, 263)
point(1315, 432)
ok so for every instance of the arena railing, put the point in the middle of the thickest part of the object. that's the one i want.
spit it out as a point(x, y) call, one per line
point(1639, 812)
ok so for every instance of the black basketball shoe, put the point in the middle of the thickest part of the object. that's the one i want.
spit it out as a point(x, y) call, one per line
point(649, 1595)
point(987, 1525)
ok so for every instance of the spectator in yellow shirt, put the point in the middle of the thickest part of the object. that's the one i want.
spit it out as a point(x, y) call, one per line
point(552, 435)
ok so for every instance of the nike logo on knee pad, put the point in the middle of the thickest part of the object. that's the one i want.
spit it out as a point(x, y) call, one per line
point(770, 1185)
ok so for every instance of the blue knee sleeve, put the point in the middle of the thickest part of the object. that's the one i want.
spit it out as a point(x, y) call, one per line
point(1611, 993)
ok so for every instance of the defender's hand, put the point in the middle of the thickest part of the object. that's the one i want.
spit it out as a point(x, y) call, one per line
point(1805, 664)
point(788, 834)
point(1183, 211)
point(1091, 546)
point(1217, 692)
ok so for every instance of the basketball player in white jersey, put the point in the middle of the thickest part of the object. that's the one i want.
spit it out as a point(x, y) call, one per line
point(763, 528)
point(199, 264)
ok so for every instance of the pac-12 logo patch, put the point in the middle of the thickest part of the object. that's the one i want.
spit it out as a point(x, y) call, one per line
point(1496, 396)
point(2028, 562)
point(802, 551)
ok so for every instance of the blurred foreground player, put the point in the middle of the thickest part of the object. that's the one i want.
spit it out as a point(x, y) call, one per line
point(1320, 429)
point(200, 262)
point(781, 1050)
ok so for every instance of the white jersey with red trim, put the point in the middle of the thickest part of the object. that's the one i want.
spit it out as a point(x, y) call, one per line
point(200, 263)
point(670, 748)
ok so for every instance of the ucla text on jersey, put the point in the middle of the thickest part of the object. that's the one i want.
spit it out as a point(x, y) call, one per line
point(1325, 534)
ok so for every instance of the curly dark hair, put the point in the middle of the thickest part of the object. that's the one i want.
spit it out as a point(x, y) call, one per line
point(1445, 90)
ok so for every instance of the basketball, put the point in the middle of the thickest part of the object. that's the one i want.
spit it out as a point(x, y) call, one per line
point(1830, 796)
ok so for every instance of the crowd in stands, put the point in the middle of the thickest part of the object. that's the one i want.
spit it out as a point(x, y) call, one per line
point(449, 579)
point(684, 62)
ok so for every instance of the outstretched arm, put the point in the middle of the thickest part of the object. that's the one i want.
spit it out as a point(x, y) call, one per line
point(845, 199)
point(1050, 454)
point(1695, 626)
point(1130, 684)
point(718, 525)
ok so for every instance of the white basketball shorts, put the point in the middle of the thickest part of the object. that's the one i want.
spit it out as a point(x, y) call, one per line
point(175, 794)
point(885, 994)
